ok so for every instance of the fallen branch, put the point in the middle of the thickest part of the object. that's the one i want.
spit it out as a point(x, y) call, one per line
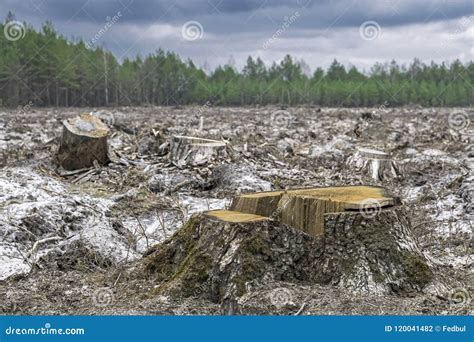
point(32, 253)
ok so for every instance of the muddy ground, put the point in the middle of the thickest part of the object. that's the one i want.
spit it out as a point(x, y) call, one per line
point(69, 240)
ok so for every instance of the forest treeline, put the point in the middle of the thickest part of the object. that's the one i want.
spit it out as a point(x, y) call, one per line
point(47, 69)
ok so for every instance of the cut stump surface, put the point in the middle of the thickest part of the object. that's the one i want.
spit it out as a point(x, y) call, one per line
point(304, 209)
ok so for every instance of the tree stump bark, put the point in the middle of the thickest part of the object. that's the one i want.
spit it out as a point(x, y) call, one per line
point(192, 151)
point(222, 255)
point(219, 255)
point(83, 141)
point(377, 165)
point(373, 253)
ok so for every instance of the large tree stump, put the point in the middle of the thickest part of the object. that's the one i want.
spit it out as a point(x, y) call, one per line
point(83, 141)
point(192, 151)
point(224, 254)
point(305, 208)
point(377, 165)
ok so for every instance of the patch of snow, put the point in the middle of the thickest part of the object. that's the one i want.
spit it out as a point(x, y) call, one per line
point(157, 227)
point(197, 204)
point(433, 153)
point(34, 206)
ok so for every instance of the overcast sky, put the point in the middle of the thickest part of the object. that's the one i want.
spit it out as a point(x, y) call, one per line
point(355, 32)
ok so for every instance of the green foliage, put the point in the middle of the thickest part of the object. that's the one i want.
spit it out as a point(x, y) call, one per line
point(49, 70)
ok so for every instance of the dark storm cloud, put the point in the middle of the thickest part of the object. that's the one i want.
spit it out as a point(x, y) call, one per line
point(317, 14)
point(323, 30)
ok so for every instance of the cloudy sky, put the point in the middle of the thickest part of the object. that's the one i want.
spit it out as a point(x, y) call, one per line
point(212, 32)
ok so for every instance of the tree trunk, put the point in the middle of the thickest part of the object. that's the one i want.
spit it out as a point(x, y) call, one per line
point(222, 255)
point(84, 140)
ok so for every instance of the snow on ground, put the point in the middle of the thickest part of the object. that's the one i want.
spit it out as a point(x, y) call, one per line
point(35, 207)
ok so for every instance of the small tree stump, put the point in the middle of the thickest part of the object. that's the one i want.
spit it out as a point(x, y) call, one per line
point(192, 151)
point(377, 165)
point(84, 140)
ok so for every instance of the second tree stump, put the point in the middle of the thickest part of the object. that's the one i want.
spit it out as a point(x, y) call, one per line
point(377, 165)
point(191, 151)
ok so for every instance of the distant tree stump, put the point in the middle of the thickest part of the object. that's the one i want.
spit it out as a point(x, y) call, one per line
point(377, 165)
point(84, 140)
point(192, 151)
